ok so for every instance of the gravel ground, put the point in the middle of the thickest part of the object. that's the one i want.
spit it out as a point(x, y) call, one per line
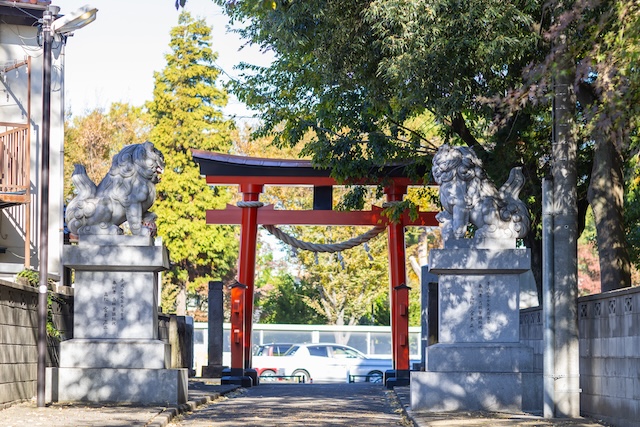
point(27, 414)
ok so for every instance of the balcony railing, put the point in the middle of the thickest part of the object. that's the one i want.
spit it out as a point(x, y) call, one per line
point(14, 164)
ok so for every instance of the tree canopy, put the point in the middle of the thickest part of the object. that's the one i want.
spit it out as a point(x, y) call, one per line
point(355, 71)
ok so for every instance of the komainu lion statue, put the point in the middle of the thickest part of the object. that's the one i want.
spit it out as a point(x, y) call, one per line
point(468, 196)
point(125, 194)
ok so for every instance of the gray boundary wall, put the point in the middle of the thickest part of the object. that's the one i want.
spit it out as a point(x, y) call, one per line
point(18, 337)
point(609, 327)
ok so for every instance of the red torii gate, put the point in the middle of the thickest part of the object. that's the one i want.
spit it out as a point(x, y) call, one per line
point(252, 174)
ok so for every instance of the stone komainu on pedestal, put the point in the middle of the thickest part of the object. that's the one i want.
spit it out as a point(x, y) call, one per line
point(116, 354)
point(125, 194)
point(478, 362)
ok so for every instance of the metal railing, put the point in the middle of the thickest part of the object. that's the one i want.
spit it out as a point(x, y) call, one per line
point(14, 164)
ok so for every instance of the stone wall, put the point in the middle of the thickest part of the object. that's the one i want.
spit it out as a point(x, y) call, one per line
point(178, 332)
point(18, 337)
point(609, 327)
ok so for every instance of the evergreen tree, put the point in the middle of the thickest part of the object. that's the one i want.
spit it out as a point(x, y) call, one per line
point(186, 113)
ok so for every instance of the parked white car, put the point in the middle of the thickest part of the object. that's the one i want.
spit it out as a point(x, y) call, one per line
point(323, 362)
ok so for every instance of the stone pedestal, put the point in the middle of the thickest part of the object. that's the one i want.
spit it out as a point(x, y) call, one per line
point(478, 363)
point(115, 355)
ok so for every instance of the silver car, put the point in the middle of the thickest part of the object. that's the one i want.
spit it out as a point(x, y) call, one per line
point(323, 362)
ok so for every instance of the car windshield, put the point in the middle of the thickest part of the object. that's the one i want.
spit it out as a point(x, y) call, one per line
point(271, 349)
point(280, 349)
point(347, 353)
point(292, 350)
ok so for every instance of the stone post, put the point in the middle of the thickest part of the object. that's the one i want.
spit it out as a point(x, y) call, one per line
point(429, 312)
point(216, 319)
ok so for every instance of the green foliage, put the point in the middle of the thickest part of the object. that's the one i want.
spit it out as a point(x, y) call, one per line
point(317, 83)
point(381, 311)
point(285, 303)
point(32, 278)
point(346, 282)
point(186, 113)
point(588, 235)
point(627, 42)
point(479, 43)
point(632, 209)
point(355, 74)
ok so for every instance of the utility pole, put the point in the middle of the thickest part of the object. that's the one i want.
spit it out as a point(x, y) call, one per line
point(47, 34)
point(565, 238)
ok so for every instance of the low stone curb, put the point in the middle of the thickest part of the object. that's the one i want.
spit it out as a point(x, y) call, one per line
point(402, 400)
point(168, 414)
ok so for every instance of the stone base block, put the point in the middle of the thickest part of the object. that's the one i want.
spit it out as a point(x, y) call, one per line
point(212, 371)
point(396, 382)
point(480, 357)
point(242, 381)
point(475, 391)
point(136, 386)
point(116, 253)
point(111, 353)
point(479, 261)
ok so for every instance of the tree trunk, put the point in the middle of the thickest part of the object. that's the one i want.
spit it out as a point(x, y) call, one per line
point(606, 197)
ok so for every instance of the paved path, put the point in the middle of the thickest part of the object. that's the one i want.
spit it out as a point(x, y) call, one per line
point(350, 405)
point(309, 405)
point(312, 405)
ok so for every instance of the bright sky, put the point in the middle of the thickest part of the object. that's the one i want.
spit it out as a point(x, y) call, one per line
point(113, 58)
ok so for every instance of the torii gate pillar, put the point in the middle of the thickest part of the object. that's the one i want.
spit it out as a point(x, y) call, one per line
point(243, 291)
point(236, 375)
point(399, 295)
point(246, 276)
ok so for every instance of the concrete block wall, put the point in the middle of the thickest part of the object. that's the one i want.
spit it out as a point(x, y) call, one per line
point(609, 328)
point(609, 325)
point(18, 338)
point(531, 329)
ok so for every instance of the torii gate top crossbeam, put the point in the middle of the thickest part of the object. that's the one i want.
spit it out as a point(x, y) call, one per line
point(229, 169)
point(254, 172)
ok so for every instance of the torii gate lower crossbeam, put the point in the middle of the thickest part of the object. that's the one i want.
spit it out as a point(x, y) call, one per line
point(252, 175)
